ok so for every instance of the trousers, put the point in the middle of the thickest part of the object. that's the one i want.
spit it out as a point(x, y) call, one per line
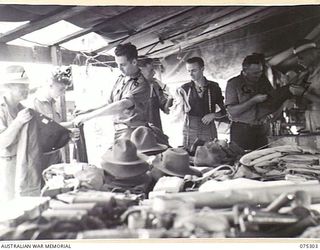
point(193, 128)
point(7, 177)
point(248, 137)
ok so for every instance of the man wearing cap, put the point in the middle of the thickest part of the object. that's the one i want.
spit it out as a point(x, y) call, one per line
point(159, 97)
point(203, 104)
point(129, 97)
point(308, 58)
point(44, 102)
point(13, 116)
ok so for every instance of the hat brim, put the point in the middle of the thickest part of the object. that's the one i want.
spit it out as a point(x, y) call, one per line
point(108, 157)
point(188, 171)
point(157, 149)
point(125, 171)
point(22, 81)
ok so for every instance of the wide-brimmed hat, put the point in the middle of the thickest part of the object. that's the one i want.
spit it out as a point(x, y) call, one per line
point(146, 142)
point(15, 74)
point(175, 161)
point(208, 156)
point(123, 161)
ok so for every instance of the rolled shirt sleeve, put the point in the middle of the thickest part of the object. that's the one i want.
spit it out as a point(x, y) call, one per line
point(136, 90)
point(231, 94)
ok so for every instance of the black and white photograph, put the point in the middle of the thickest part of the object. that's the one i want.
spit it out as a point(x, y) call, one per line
point(154, 122)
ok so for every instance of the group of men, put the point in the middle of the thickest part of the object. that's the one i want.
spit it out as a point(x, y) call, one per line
point(137, 97)
point(249, 98)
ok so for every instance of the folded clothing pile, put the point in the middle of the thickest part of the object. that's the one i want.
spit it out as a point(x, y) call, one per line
point(281, 162)
point(69, 176)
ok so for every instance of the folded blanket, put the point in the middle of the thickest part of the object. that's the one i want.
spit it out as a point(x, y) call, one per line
point(251, 158)
point(266, 158)
point(301, 158)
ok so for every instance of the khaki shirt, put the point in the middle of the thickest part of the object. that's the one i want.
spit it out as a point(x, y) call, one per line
point(7, 115)
point(237, 92)
point(137, 90)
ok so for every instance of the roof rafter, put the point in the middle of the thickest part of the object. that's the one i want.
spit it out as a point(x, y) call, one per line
point(87, 30)
point(158, 25)
point(234, 21)
point(55, 16)
point(37, 54)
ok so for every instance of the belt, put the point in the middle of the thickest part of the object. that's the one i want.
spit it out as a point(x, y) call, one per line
point(249, 125)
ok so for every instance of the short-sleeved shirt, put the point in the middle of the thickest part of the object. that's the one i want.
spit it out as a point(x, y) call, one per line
point(239, 91)
point(207, 104)
point(137, 90)
point(46, 106)
point(7, 115)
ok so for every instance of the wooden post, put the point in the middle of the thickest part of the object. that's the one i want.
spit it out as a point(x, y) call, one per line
point(57, 60)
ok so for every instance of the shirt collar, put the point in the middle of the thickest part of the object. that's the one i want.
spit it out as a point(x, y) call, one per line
point(245, 81)
point(135, 76)
point(206, 82)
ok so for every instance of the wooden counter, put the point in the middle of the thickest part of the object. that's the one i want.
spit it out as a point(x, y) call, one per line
point(310, 140)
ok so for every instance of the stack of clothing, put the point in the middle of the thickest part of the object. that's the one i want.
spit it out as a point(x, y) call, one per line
point(282, 162)
point(64, 177)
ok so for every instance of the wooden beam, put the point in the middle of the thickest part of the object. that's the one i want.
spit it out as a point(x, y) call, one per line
point(37, 54)
point(53, 17)
point(225, 25)
point(256, 17)
point(86, 31)
point(13, 53)
point(215, 22)
point(56, 57)
point(56, 60)
point(314, 33)
point(162, 22)
point(286, 56)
